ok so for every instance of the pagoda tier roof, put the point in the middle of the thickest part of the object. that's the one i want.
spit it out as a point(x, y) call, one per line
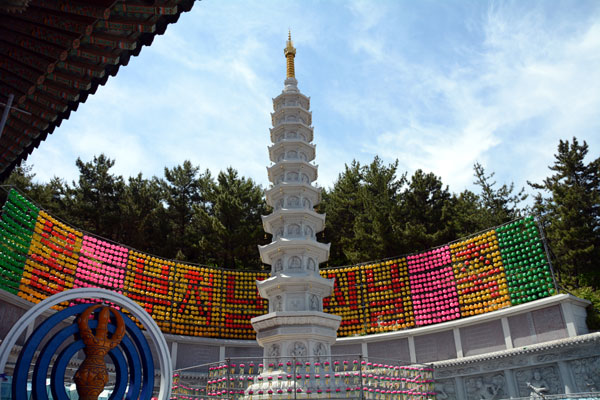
point(277, 191)
point(298, 111)
point(293, 166)
point(313, 217)
point(310, 247)
point(287, 95)
point(290, 126)
point(54, 54)
point(308, 148)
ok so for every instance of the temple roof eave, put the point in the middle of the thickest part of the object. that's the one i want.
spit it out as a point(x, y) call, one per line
point(289, 126)
point(313, 217)
point(293, 166)
point(275, 192)
point(294, 143)
point(288, 94)
point(321, 250)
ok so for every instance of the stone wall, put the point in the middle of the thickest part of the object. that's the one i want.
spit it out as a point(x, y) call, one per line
point(569, 365)
point(493, 354)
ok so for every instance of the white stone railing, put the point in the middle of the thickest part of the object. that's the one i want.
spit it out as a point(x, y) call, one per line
point(304, 378)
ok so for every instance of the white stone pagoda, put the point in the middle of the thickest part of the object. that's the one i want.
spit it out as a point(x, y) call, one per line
point(296, 328)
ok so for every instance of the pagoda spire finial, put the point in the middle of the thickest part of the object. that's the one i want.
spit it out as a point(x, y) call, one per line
point(290, 53)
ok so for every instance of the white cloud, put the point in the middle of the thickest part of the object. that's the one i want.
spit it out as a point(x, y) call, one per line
point(501, 88)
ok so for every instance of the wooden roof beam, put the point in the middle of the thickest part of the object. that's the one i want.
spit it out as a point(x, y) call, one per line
point(49, 101)
point(35, 45)
point(127, 24)
point(11, 144)
point(81, 8)
point(6, 90)
point(8, 148)
point(53, 36)
point(59, 90)
point(29, 74)
point(82, 67)
point(15, 83)
point(138, 7)
point(32, 120)
point(24, 139)
point(41, 63)
point(96, 54)
point(17, 124)
point(70, 80)
point(75, 24)
point(39, 111)
point(109, 40)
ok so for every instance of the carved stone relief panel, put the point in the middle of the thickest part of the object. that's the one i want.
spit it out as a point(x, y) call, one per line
point(319, 350)
point(298, 349)
point(292, 155)
point(280, 157)
point(294, 230)
point(278, 266)
point(306, 203)
point(295, 303)
point(302, 136)
point(274, 350)
point(305, 178)
point(446, 390)
point(586, 373)
point(308, 231)
point(278, 233)
point(538, 382)
point(278, 303)
point(486, 387)
point(295, 263)
point(292, 135)
point(293, 202)
point(303, 156)
point(504, 363)
point(292, 176)
point(279, 138)
point(314, 303)
point(279, 204)
point(311, 264)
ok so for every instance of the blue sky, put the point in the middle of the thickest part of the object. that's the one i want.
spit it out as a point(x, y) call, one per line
point(437, 85)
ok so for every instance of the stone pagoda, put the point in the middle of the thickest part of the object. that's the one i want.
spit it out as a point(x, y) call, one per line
point(296, 328)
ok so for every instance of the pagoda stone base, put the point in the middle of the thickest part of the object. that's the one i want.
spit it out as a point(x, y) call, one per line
point(305, 336)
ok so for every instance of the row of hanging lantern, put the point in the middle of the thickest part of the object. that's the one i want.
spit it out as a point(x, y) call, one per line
point(315, 379)
point(40, 256)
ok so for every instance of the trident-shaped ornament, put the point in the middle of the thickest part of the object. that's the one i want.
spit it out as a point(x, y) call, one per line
point(92, 375)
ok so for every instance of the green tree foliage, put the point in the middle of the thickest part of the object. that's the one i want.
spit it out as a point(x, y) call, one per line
point(94, 199)
point(373, 211)
point(360, 210)
point(569, 208)
point(231, 228)
point(426, 212)
point(498, 206)
point(342, 205)
point(186, 215)
point(143, 215)
point(184, 189)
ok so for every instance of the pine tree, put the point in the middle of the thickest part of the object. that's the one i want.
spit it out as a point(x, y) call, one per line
point(426, 212)
point(570, 213)
point(229, 231)
point(341, 205)
point(183, 189)
point(498, 206)
point(93, 201)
